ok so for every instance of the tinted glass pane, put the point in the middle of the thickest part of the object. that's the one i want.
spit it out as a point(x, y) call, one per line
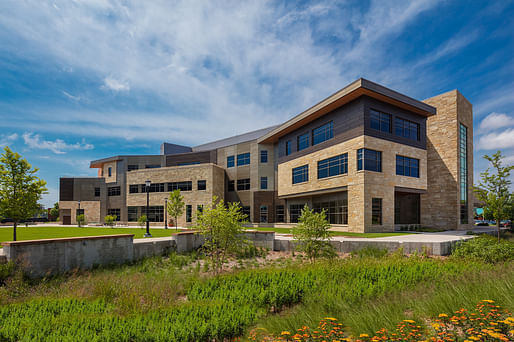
point(303, 141)
point(301, 174)
point(323, 133)
point(288, 147)
point(264, 156)
point(243, 159)
point(230, 161)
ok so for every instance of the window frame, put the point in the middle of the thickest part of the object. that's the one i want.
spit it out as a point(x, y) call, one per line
point(300, 174)
point(301, 140)
point(407, 169)
point(384, 121)
point(264, 156)
point(203, 184)
point(264, 181)
point(376, 211)
point(362, 165)
point(289, 147)
point(243, 159)
point(231, 161)
point(243, 184)
point(327, 130)
point(340, 162)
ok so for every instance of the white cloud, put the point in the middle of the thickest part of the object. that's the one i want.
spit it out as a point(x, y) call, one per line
point(113, 84)
point(68, 95)
point(497, 140)
point(7, 139)
point(496, 120)
point(58, 146)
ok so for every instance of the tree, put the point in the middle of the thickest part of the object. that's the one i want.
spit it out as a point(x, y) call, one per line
point(175, 205)
point(221, 225)
point(109, 220)
point(493, 189)
point(54, 212)
point(20, 188)
point(142, 221)
point(81, 219)
point(312, 234)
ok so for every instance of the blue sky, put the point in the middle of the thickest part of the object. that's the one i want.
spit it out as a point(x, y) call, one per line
point(83, 80)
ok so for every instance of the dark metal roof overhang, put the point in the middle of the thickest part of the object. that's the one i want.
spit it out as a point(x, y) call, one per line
point(361, 87)
point(409, 190)
point(315, 192)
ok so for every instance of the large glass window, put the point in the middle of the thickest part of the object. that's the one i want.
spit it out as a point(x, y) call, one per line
point(334, 166)
point(155, 213)
point(189, 213)
point(202, 184)
point(230, 161)
point(302, 141)
point(243, 159)
point(407, 129)
point(109, 171)
point(280, 213)
point(380, 121)
point(188, 163)
point(264, 183)
point(246, 212)
point(336, 211)
point(264, 214)
point(295, 211)
point(133, 188)
point(406, 166)
point(264, 156)
point(132, 167)
point(155, 187)
point(376, 211)
point(231, 185)
point(114, 212)
point(113, 191)
point(182, 186)
point(323, 133)
point(288, 147)
point(132, 214)
point(153, 166)
point(369, 160)
point(243, 184)
point(463, 155)
point(301, 174)
point(97, 192)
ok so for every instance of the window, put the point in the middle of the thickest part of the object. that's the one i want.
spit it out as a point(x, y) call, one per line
point(336, 211)
point(231, 185)
point(109, 171)
point(369, 160)
point(97, 192)
point(189, 213)
point(334, 166)
point(376, 211)
point(132, 214)
point(243, 159)
point(463, 173)
point(301, 174)
point(113, 191)
point(302, 141)
point(199, 209)
point(182, 186)
point(280, 213)
point(406, 166)
point(153, 166)
point(264, 214)
point(132, 167)
point(114, 212)
point(202, 185)
point(323, 133)
point(264, 183)
point(133, 188)
point(288, 147)
point(380, 121)
point(264, 156)
point(155, 187)
point(295, 211)
point(246, 212)
point(155, 213)
point(407, 129)
point(230, 161)
point(243, 184)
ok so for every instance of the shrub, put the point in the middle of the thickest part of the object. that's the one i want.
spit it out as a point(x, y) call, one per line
point(81, 219)
point(6, 271)
point(142, 221)
point(312, 234)
point(485, 248)
point(109, 220)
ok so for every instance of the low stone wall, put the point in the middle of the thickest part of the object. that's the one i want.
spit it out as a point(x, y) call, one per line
point(51, 256)
point(261, 239)
point(145, 248)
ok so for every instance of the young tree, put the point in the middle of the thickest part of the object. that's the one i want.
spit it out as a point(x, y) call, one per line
point(493, 189)
point(20, 188)
point(221, 224)
point(142, 221)
point(81, 219)
point(110, 219)
point(312, 234)
point(175, 205)
point(54, 212)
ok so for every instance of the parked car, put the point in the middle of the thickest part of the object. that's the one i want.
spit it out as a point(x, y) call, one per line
point(481, 223)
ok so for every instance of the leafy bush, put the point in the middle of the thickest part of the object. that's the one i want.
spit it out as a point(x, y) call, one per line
point(142, 221)
point(312, 234)
point(109, 220)
point(485, 248)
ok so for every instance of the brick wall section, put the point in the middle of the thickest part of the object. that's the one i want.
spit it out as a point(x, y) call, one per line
point(440, 205)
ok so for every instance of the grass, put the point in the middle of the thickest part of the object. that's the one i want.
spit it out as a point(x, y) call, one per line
point(332, 233)
point(46, 232)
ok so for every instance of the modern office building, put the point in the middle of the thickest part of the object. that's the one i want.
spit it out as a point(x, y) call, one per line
point(373, 158)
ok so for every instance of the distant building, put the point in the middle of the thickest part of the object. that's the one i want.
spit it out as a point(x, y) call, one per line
point(373, 158)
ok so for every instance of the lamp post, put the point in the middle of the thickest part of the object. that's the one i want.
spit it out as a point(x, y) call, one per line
point(165, 213)
point(147, 183)
point(78, 213)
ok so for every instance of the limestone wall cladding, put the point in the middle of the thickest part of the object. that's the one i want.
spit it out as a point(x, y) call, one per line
point(105, 170)
point(212, 174)
point(440, 206)
point(91, 210)
point(362, 185)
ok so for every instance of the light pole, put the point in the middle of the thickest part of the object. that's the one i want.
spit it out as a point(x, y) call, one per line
point(78, 213)
point(147, 183)
point(165, 213)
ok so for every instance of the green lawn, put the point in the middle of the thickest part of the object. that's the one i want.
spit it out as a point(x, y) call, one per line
point(36, 233)
point(359, 235)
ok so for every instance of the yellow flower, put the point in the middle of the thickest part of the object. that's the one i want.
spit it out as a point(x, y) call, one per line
point(409, 321)
point(488, 300)
point(443, 315)
point(436, 326)
point(363, 335)
point(331, 318)
point(286, 333)
point(511, 332)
